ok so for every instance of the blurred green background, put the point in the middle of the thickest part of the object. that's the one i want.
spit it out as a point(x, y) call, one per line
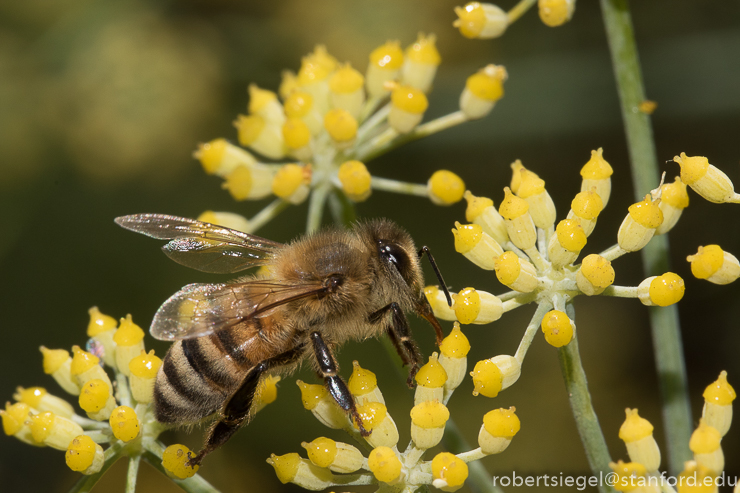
point(103, 102)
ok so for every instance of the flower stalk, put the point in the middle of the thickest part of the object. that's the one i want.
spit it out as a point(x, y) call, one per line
point(664, 322)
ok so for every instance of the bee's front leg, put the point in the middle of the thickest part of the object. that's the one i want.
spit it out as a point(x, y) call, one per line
point(236, 410)
point(328, 369)
point(400, 334)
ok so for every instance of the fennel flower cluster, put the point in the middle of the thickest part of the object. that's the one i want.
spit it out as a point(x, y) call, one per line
point(314, 136)
point(337, 464)
point(702, 474)
point(111, 381)
point(536, 258)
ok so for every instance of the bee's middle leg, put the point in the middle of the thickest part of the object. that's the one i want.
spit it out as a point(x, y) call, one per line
point(328, 370)
point(236, 410)
point(400, 335)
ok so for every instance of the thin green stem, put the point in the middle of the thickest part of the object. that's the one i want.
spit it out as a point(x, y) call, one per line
point(342, 209)
point(587, 422)
point(519, 9)
point(621, 291)
point(267, 214)
point(388, 185)
point(133, 473)
point(122, 389)
point(316, 207)
point(666, 331)
point(532, 329)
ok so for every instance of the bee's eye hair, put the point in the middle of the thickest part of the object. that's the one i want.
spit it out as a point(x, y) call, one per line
point(395, 255)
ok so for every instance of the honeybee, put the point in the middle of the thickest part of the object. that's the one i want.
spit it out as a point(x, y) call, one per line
point(323, 289)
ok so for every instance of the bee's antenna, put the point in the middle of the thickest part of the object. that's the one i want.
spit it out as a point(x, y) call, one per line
point(426, 250)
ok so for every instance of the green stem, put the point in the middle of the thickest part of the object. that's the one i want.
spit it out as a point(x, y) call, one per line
point(587, 422)
point(342, 209)
point(666, 331)
point(519, 9)
point(267, 214)
point(316, 207)
point(479, 480)
point(133, 473)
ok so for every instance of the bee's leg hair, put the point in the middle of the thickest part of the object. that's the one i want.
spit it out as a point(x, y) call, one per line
point(328, 370)
point(400, 335)
point(236, 411)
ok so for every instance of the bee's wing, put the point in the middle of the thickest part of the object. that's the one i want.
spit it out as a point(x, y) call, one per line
point(201, 309)
point(203, 246)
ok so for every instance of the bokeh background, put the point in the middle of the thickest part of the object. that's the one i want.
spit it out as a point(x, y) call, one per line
point(103, 102)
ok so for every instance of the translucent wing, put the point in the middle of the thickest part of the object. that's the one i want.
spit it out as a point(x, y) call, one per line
point(201, 309)
point(203, 246)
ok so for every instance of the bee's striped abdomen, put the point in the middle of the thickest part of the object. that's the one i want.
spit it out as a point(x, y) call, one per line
point(195, 380)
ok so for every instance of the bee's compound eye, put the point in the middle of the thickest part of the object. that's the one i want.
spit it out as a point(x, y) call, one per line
point(395, 255)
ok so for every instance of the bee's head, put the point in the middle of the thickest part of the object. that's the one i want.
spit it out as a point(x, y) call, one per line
point(396, 250)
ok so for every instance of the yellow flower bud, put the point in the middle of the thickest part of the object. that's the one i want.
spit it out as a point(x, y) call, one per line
point(516, 273)
point(378, 422)
point(317, 400)
point(300, 105)
point(662, 290)
point(97, 400)
point(428, 421)
point(639, 226)
point(175, 462)
point(565, 246)
point(124, 423)
point(718, 397)
point(420, 63)
point(364, 385)
point(481, 20)
point(16, 419)
point(476, 246)
point(338, 456)
point(291, 468)
point(85, 367)
point(355, 180)
point(430, 380)
point(219, 157)
point(265, 104)
point(453, 357)
point(438, 302)
point(385, 65)
point(346, 90)
point(555, 13)
point(706, 179)
point(519, 223)
point(628, 476)
point(499, 427)
point(477, 307)
point(637, 434)
point(482, 90)
point(714, 264)
point(261, 135)
point(595, 275)
point(586, 206)
point(449, 472)
point(674, 200)
point(445, 188)
point(249, 183)
point(705, 444)
point(54, 431)
point(481, 211)
point(142, 375)
point(129, 339)
point(385, 465)
point(558, 328)
point(84, 455)
point(408, 105)
point(40, 400)
point(297, 138)
point(541, 207)
point(487, 378)
point(292, 183)
point(596, 174)
point(341, 126)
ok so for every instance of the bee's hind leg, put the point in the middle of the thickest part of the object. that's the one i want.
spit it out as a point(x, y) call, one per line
point(400, 335)
point(328, 370)
point(235, 412)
